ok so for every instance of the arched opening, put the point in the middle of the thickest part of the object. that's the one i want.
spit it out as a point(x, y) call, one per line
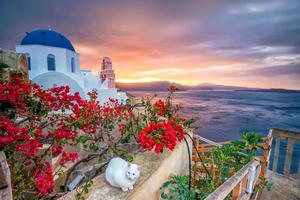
point(56, 79)
point(73, 65)
point(28, 61)
point(51, 62)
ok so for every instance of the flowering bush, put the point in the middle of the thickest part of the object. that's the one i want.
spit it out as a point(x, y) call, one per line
point(32, 118)
point(160, 135)
point(159, 127)
point(36, 124)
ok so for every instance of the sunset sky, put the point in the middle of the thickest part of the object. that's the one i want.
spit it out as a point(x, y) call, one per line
point(245, 43)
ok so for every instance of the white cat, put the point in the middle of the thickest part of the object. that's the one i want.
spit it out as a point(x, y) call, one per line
point(120, 173)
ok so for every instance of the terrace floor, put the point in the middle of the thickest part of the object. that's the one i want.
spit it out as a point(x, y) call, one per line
point(284, 188)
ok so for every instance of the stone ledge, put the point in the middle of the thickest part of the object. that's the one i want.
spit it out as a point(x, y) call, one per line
point(155, 170)
point(5, 193)
point(283, 188)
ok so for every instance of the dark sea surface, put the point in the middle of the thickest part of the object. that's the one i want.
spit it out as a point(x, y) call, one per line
point(225, 114)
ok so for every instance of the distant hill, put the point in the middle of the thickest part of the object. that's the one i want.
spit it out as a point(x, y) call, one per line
point(150, 86)
point(164, 85)
point(277, 90)
point(210, 86)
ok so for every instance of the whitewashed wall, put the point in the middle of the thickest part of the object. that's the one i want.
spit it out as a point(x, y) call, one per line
point(38, 57)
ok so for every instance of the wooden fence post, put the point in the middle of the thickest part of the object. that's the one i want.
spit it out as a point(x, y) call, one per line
point(237, 191)
point(291, 137)
point(276, 153)
point(288, 157)
point(267, 153)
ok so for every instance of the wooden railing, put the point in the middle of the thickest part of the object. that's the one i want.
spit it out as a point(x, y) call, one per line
point(265, 158)
point(291, 138)
point(237, 184)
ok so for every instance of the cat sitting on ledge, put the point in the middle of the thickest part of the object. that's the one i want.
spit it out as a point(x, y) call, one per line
point(120, 173)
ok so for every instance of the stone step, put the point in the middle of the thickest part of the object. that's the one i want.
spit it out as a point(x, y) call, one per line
point(283, 188)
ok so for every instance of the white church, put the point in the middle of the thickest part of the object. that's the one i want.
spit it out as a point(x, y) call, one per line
point(53, 61)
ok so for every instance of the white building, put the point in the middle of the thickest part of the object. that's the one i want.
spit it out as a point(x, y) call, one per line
point(53, 61)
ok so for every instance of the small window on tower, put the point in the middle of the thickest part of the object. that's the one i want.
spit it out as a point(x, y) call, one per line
point(28, 61)
point(51, 62)
point(73, 65)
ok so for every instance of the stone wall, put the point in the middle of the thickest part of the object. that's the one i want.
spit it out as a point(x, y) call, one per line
point(155, 170)
point(16, 61)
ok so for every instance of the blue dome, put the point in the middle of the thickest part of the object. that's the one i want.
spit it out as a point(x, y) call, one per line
point(48, 38)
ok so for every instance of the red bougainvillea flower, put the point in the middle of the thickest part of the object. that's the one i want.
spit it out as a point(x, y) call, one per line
point(160, 135)
point(56, 150)
point(4, 140)
point(44, 183)
point(121, 128)
point(73, 156)
point(160, 107)
point(14, 91)
point(93, 95)
point(12, 132)
point(44, 180)
point(30, 147)
point(62, 134)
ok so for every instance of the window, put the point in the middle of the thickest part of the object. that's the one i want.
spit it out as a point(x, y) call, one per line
point(73, 65)
point(28, 61)
point(51, 62)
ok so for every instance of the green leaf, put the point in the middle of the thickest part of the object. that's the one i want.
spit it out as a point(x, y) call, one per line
point(110, 151)
point(101, 160)
point(3, 66)
point(83, 139)
point(164, 195)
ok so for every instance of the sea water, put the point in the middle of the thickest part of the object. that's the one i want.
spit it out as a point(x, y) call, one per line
point(226, 114)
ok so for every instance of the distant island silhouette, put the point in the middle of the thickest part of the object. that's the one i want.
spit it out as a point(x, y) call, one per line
point(164, 85)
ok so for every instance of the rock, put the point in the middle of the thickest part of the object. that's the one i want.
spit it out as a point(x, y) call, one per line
point(6, 192)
